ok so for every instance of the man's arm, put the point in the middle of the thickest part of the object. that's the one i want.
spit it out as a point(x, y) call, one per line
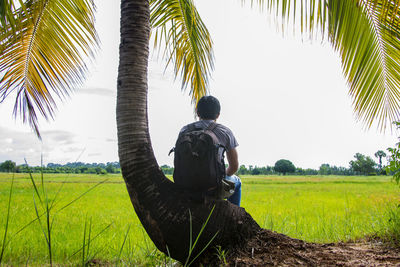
point(233, 162)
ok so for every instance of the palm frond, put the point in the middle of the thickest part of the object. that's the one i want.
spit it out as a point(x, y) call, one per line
point(6, 12)
point(366, 35)
point(178, 25)
point(46, 55)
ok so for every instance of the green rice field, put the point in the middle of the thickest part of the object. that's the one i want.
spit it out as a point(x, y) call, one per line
point(314, 208)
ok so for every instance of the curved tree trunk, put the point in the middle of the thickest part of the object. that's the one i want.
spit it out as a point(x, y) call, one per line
point(161, 207)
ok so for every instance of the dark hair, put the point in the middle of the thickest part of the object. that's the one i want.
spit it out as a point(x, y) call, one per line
point(208, 108)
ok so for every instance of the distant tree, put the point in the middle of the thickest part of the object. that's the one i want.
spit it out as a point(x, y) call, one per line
point(91, 170)
point(7, 166)
point(116, 168)
point(325, 169)
point(250, 169)
point(299, 171)
point(167, 170)
point(255, 171)
point(110, 168)
point(242, 170)
point(284, 166)
point(380, 154)
point(53, 165)
point(22, 168)
point(362, 164)
point(266, 170)
point(100, 170)
point(310, 172)
point(393, 167)
point(83, 169)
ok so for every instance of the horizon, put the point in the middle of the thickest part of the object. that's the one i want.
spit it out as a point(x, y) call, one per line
point(172, 166)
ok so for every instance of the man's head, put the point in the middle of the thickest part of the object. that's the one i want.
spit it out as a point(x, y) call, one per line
point(208, 108)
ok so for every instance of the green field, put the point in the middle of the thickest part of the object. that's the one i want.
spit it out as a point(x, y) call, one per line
point(315, 208)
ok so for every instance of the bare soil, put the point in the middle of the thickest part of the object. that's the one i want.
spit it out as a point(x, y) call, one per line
point(269, 248)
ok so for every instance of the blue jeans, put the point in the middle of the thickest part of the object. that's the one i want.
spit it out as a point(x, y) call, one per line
point(235, 198)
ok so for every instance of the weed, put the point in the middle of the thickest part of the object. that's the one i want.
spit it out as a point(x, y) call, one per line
point(192, 246)
point(221, 254)
point(392, 232)
point(7, 221)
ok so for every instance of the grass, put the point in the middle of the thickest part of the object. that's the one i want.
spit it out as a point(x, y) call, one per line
point(102, 224)
point(321, 209)
point(106, 205)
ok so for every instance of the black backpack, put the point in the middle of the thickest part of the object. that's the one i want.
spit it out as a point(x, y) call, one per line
point(199, 165)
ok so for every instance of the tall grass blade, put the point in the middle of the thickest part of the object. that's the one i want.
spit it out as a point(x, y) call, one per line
point(33, 183)
point(83, 194)
point(43, 231)
point(205, 247)
point(80, 249)
point(190, 234)
point(62, 208)
point(84, 244)
point(198, 237)
point(145, 241)
point(203, 227)
point(56, 195)
point(41, 176)
point(63, 183)
point(89, 241)
point(191, 247)
point(45, 205)
point(169, 257)
point(49, 226)
point(123, 243)
point(3, 247)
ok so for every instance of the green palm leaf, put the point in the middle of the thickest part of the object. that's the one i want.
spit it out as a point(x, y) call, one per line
point(46, 54)
point(366, 35)
point(6, 13)
point(187, 41)
point(370, 51)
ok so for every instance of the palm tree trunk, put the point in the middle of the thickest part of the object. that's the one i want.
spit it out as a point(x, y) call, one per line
point(161, 208)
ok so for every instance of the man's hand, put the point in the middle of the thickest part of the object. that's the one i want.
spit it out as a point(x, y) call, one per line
point(233, 162)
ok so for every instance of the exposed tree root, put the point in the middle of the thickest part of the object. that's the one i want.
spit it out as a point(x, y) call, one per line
point(268, 248)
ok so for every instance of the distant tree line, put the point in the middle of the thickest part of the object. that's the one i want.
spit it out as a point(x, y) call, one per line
point(324, 169)
point(361, 165)
point(75, 167)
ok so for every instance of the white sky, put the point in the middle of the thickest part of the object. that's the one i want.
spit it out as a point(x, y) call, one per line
point(281, 96)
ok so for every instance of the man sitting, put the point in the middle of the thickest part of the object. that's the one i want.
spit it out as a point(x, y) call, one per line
point(208, 110)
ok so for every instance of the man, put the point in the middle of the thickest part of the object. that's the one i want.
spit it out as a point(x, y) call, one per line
point(208, 110)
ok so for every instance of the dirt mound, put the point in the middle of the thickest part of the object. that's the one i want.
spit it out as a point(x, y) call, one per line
point(268, 248)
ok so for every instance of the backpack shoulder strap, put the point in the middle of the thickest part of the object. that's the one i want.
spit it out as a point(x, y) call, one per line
point(211, 126)
point(210, 131)
point(191, 128)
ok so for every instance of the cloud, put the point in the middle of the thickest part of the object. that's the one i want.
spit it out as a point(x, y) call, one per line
point(94, 154)
point(16, 145)
point(58, 136)
point(97, 91)
point(56, 146)
point(76, 150)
